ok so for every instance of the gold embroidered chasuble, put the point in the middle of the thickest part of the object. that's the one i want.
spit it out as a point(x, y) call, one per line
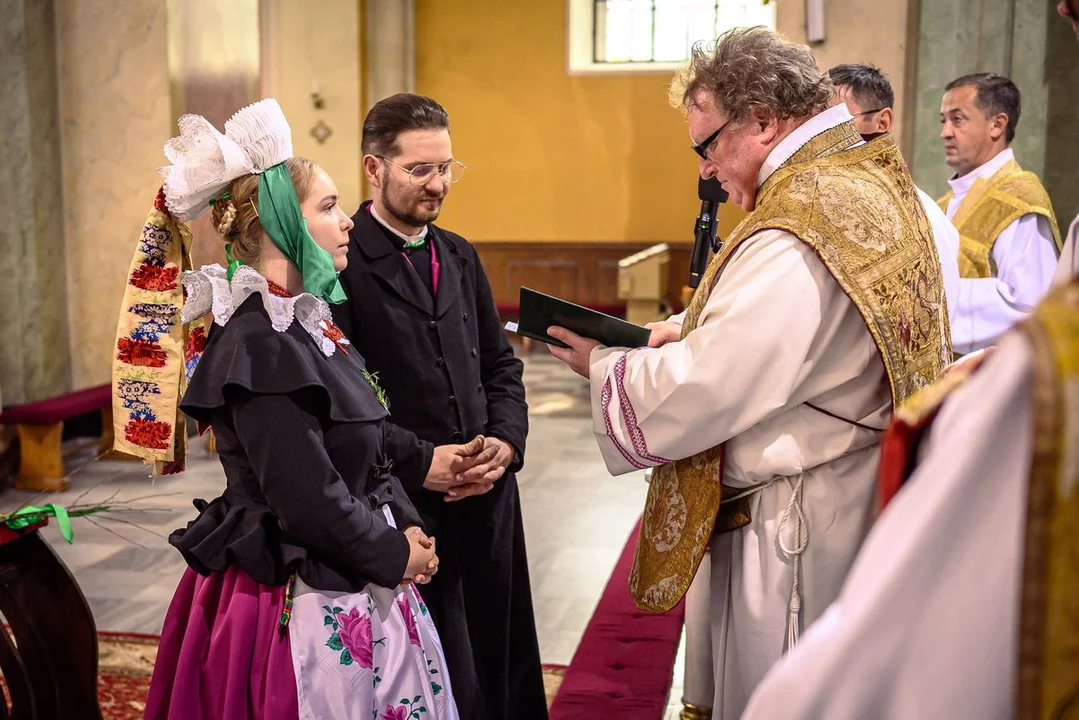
point(856, 207)
point(1048, 663)
point(991, 205)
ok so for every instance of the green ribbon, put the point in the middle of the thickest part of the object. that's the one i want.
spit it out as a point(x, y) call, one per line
point(27, 516)
point(234, 264)
point(281, 217)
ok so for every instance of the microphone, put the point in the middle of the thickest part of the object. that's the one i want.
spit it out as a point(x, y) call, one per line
point(705, 241)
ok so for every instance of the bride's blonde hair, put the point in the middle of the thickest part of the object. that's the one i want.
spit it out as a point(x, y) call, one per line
point(235, 214)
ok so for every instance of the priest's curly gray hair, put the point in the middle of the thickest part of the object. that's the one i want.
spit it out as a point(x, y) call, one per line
point(754, 67)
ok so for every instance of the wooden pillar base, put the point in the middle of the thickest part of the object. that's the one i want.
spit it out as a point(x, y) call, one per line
point(41, 466)
point(108, 437)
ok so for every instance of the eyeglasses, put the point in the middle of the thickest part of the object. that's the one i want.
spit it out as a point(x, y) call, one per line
point(869, 112)
point(450, 171)
point(701, 148)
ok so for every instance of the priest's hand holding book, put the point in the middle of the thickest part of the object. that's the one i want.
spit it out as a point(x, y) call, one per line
point(577, 354)
point(663, 332)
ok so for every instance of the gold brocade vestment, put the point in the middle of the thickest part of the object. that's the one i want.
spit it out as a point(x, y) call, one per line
point(1048, 663)
point(991, 205)
point(856, 207)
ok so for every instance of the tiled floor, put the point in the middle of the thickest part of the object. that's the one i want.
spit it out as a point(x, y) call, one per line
point(576, 519)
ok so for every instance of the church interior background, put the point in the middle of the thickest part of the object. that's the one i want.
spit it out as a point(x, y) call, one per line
point(575, 160)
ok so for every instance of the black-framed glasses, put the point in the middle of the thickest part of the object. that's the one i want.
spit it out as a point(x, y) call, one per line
point(701, 148)
point(869, 112)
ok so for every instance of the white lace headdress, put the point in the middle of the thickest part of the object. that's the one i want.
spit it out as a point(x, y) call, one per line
point(204, 161)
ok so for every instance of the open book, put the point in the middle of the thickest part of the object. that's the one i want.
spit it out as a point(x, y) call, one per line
point(540, 311)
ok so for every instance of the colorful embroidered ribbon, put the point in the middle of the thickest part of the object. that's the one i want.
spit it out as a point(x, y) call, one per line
point(155, 352)
point(286, 610)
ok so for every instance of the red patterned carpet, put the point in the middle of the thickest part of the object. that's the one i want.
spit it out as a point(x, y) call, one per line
point(126, 662)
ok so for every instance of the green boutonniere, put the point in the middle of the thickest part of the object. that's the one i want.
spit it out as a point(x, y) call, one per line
point(379, 392)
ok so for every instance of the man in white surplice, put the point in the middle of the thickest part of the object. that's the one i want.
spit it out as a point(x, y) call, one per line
point(777, 331)
point(979, 114)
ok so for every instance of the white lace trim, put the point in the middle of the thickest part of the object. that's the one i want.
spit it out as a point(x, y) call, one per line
point(209, 291)
point(204, 161)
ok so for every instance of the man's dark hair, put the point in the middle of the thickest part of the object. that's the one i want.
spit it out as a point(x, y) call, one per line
point(867, 84)
point(397, 114)
point(993, 94)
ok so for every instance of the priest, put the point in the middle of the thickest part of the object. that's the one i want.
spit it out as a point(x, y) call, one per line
point(1008, 235)
point(824, 308)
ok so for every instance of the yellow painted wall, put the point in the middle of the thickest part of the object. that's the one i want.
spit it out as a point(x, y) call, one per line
point(551, 156)
point(589, 157)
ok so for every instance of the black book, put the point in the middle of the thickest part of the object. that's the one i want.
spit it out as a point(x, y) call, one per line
point(540, 311)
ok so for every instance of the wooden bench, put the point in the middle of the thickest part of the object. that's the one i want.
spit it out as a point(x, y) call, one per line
point(41, 427)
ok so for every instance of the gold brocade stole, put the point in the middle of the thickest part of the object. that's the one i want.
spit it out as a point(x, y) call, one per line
point(1048, 663)
point(991, 205)
point(856, 207)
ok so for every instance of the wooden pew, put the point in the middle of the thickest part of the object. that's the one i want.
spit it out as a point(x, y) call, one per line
point(41, 426)
point(48, 652)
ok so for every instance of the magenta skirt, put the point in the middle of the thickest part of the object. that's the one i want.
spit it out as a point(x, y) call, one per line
point(222, 654)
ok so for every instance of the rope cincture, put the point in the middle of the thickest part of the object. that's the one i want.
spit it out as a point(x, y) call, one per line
point(794, 554)
point(794, 509)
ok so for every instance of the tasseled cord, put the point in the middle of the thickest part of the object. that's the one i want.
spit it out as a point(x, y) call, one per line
point(794, 509)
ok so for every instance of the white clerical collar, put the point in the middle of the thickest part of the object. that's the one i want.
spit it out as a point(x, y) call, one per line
point(407, 238)
point(781, 153)
point(960, 185)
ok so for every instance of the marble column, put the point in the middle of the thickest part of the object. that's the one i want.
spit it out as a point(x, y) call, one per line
point(389, 48)
point(1025, 40)
point(35, 357)
point(115, 116)
point(1061, 68)
point(214, 66)
point(389, 52)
